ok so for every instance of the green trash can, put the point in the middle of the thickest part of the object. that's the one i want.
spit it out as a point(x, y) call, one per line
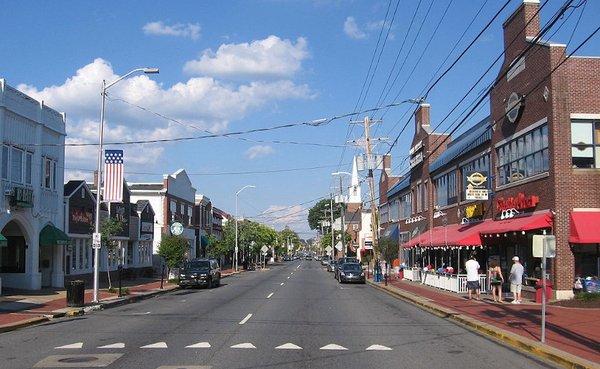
point(75, 293)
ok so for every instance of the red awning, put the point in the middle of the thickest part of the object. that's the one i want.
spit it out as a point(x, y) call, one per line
point(520, 223)
point(585, 227)
point(450, 235)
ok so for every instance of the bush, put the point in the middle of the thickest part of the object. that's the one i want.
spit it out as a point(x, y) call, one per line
point(588, 296)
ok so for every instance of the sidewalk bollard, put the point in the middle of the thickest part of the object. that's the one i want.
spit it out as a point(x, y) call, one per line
point(385, 279)
point(162, 276)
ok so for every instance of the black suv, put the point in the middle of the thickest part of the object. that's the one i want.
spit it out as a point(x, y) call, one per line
point(342, 261)
point(200, 272)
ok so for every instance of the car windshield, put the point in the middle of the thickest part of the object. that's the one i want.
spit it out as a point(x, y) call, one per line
point(352, 267)
point(197, 264)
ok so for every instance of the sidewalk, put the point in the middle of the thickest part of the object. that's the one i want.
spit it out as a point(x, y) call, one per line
point(572, 330)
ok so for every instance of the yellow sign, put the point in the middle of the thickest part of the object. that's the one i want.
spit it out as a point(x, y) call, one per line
point(477, 179)
point(473, 211)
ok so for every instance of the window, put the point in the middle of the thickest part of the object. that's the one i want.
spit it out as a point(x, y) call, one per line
point(383, 213)
point(394, 210)
point(48, 173)
point(28, 165)
point(405, 205)
point(4, 162)
point(481, 164)
point(585, 143)
point(446, 189)
point(524, 156)
point(425, 196)
point(16, 165)
point(173, 207)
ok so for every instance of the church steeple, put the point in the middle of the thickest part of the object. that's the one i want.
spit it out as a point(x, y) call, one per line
point(354, 195)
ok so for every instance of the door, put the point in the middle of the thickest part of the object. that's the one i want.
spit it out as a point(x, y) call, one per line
point(46, 265)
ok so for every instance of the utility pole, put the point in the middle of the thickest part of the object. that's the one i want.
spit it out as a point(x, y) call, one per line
point(332, 232)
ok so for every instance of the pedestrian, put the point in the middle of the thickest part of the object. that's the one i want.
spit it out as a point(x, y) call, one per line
point(472, 267)
point(496, 280)
point(516, 279)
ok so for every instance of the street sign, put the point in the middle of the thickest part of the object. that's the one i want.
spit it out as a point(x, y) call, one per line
point(338, 246)
point(328, 249)
point(176, 228)
point(96, 240)
point(544, 241)
point(264, 249)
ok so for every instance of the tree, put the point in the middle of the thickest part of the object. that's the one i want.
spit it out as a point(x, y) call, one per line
point(108, 229)
point(388, 249)
point(317, 213)
point(172, 249)
point(326, 239)
point(287, 235)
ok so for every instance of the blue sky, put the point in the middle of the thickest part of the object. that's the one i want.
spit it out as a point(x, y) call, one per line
point(237, 65)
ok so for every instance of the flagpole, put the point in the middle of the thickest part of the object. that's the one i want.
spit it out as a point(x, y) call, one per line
point(96, 239)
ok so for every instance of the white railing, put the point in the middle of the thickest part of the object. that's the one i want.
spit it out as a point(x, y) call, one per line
point(412, 274)
point(450, 282)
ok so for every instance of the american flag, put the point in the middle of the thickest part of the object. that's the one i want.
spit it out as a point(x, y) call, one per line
point(113, 176)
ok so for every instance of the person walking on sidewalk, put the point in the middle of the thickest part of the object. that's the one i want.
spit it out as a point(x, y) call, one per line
point(472, 267)
point(516, 280)
point(496, 280)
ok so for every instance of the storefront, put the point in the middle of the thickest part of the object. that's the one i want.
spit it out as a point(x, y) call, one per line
point(585, 244)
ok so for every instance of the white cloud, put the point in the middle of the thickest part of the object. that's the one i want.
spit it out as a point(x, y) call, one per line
point(201, 103)
point(189, 30)
point(258, 151)
point(271, 57)
point(352, 30)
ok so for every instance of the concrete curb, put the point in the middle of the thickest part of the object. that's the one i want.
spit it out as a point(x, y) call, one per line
point(23, 323)
point(538, 349)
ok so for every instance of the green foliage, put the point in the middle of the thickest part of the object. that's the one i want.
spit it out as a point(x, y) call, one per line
point(591, 296)
point(316, 213)
point(388, 249)
point(326, 239)
point(108, 228)
point(286, 234)
point(252, 236)
point(172, 249)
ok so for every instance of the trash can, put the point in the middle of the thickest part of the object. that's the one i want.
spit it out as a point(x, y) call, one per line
point(75, 293)
point(538, 291)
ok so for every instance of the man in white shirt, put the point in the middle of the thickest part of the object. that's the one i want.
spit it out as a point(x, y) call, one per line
point(516, 280)
point(472, 267)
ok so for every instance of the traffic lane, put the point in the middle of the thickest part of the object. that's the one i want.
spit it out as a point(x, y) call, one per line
point(129, 324)
point(315, 311)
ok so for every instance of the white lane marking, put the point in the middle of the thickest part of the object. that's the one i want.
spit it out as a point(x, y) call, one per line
point(298, 267)
point(245, 319)
point(333, 346)
point(269, 296)
point(288, 346)
point(245, 345)
point(199, 345)
point(378, 348)
point(146, 313)
point(76, 345)
point(118, 345)
point(291, 273)
point(155, 345)
point(288, 277)
point(281, 284)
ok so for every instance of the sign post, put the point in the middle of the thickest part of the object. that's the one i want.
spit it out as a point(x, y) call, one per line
point(96, 240)
point(544, 246)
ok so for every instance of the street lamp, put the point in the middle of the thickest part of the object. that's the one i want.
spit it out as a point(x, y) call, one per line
point(235, 256)
point(343, 230)
point(99, 170)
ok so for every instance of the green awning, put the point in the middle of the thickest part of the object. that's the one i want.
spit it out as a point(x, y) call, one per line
point(51, 235)
point(3, 241)
point(203, 241)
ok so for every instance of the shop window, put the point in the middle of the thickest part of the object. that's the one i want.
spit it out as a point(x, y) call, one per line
point(405, 205)
point(481, 164)
point(445, 189)
point(585, 144)
point(12, 259)
point(523, 157)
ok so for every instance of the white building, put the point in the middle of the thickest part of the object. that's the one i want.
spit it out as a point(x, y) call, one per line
point(172, 201)
point(365, 235)
point(31, 201)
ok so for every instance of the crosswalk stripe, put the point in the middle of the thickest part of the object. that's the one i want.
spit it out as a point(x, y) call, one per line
point(245, 345)
point(288, 346)
point(117, 345)
point(76, 345)
point(245, 319)
point(269, 296)
point(378, 348)
point(333, 346)
point(155, 345)
point(199, 345)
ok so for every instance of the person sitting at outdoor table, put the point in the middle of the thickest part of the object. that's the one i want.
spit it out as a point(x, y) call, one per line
point(442, 269)
point(449, 270)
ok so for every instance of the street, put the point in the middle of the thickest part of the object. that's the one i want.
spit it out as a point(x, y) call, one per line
point(294, 315)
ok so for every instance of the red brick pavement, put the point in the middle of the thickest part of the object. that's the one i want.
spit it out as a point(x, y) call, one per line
point(576, 331)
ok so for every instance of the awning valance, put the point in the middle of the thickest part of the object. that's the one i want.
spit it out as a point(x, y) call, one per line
point(3, 241)
point(585, 227)
point(50, 236)
point(521, 223)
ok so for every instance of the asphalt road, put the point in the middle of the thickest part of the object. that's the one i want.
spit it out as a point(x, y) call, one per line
point(297, 305)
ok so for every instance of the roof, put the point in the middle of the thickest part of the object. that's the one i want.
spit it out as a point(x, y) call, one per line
point(145, 186)
point(403, 184)
point(71, 186)
point(472, 138)
point(141, 204)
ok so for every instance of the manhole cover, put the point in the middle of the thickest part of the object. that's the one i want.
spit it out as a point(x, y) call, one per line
point(81, 359)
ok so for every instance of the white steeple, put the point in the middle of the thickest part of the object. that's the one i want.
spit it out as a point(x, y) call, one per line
point(354, 195)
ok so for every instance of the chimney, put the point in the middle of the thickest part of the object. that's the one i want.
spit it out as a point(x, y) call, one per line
point(514, 27)
point(422, 117)
point(387, 162)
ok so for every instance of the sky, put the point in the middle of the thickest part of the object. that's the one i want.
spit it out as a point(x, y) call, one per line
point(228, 66)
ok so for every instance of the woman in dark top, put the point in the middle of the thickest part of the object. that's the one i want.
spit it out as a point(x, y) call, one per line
point(496, 280)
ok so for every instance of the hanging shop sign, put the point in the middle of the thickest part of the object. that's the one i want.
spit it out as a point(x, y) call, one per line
point(474, 211)
point(21, 197)
point(519, 202)
point(476, 186)
point(81, 220)
point(513, 108)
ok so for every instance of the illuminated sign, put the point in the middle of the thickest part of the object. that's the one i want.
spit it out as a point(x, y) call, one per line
point(476, 188)
point(519, 202)
point(474, 211)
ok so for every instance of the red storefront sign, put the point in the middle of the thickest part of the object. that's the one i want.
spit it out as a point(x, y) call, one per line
point(519, 202)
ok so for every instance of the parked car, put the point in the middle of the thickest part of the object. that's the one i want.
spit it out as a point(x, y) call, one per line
point(325, 260)
point(287, 258)
point(351, 272)
point(200, 272)
point(331, 266)
point(342, 261)
point(308, 257)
